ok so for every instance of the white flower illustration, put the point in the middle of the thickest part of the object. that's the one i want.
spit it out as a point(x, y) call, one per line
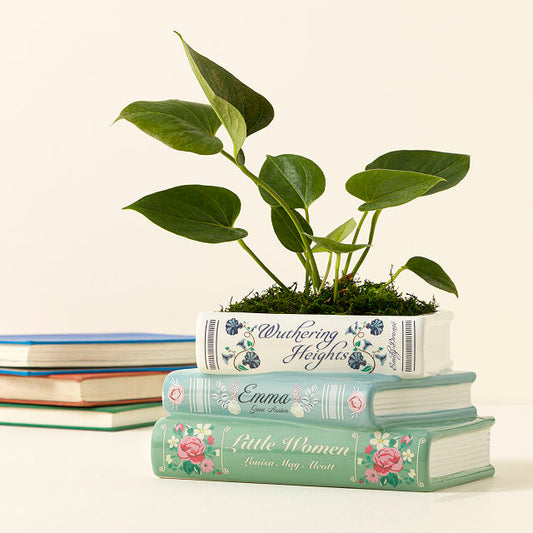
point(202, 431)
point(233, 407)
point(217, 452)
point(408, 455)
point(173, 442)
point(168, 459)
point(412, 474)
point(297, 410)
point(379, 440)
point(359, 460)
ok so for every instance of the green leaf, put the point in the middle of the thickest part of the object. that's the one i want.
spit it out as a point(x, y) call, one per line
point(286, 230)
point(296, 179)
point(431, 272)
point(393, 479)
point(367, 369)
point(240, 109)
point(199, 212)
point(241, 367)
point(338, 234)
point(336, 247)
point(188, 467)
point(388, 188)
point(452, 167)
point(185, 126)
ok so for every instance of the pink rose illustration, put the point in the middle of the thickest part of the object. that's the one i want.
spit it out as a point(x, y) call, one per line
point(210, 440)
point(176, 394)
point(207, 465)
point(387, 460)
point(191, 449)
point(371, 475)
point(178, 428)
point(357, 402)
point(369, 449)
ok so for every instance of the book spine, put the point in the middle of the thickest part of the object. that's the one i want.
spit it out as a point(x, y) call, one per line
point(253, 343)
point(309, 398)
point(192, 446)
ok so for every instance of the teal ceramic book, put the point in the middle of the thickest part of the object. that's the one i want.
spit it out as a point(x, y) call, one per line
point(415, 458)
point(329, 399)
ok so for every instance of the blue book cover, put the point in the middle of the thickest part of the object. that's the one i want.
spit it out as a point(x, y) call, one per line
point(96, 350)
point(329, 399)
point(94, 338)
point(29, 372)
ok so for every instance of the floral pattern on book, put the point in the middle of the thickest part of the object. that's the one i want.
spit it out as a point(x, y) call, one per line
point(242, 355)
point(365, 356)
point(227, 400)
point(191, 450)
point(388, 461)
point(175, 394)
point(303, 402)
point(356, 402)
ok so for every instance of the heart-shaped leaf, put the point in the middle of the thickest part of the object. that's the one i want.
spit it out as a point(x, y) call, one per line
point(338, 234)
point(432, 273)
point(336, 247)
point(387, 188)
point(286, 230)
point(296, 179)
point(186, 126)
point(199, 212)
point(452, 167)
point(242, 110)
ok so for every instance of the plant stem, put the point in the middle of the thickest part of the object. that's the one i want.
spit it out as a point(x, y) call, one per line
point(326, 274)
point(370, 239)
point(337, 267)
point(305, 264)
point(395, 276)
point(309, 255)
point(262, 265)
point(354, 241)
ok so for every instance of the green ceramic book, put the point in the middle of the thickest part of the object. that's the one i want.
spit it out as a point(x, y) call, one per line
point(108, 418)
point(365, 401)
point(416, 458)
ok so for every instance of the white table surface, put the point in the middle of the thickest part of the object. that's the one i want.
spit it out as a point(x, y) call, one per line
point(70, 480)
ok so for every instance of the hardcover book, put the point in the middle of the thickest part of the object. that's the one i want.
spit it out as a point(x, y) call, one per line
point(96, 350)
point(83, 389)
point(416, 458)
point(253, 343)
point(330, 399)
point(108, 418)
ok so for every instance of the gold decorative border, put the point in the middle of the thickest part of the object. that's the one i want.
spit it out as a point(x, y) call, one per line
point(354, 477)
point(163, 467)
point(423, 440)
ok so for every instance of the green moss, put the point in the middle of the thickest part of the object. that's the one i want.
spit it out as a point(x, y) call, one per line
point(355, 298)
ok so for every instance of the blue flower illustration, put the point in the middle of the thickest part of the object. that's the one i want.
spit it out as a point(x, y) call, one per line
point(366, 344)
point(242, 343)
point(381, 358)
point(356, 360)
point(227, 357)
point(376, 326)
point(251, 359)
point(351, 329)
point(233, 326)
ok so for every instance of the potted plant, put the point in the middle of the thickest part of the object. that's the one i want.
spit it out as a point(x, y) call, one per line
point(368, 326)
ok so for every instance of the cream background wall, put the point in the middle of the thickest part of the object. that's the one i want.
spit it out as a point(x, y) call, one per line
point(348, 80)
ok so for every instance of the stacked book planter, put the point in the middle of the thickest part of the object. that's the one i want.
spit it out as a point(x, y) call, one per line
point(345, 401)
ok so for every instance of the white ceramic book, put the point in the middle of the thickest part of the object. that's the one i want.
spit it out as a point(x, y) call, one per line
point(253, 343)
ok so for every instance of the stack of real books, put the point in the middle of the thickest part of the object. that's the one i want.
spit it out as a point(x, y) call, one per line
point(87, 381)
point(340, 401)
